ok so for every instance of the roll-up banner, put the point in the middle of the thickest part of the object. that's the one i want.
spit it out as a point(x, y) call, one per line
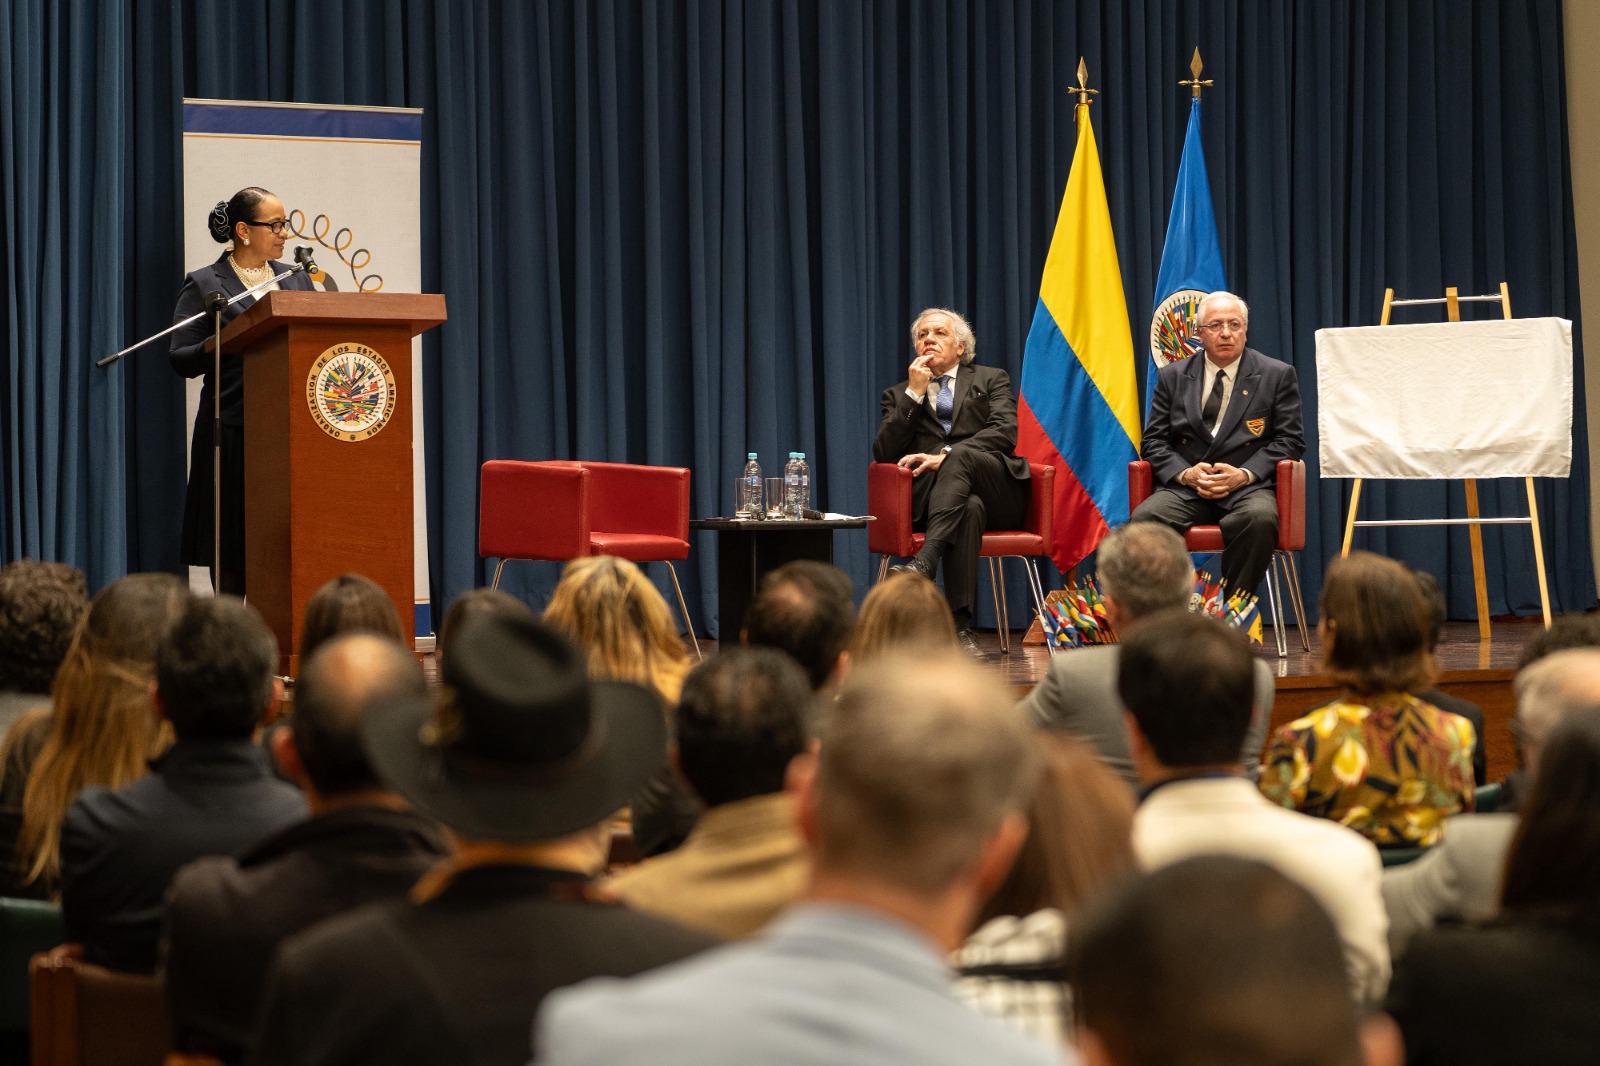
point(350, 179)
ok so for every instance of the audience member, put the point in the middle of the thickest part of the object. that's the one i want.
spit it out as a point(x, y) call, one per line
point(1522, 989)
point(1079, 845)
point(1567, 632)
point(525, 759)
point(226, 916)
point(806, 609)
point(484, 602)
point(350, 603)
point(912, 812)
point(622, 624)
point(1187, 682)
point(905, 611)
point(1143, 569)
point(1433, 599)
point(211, 793)
point(1218, 960)
point(742, 719)
point(40, 605)
point(101, 728)
point(1377, 759)
point(625, 629)
point(1459, 880)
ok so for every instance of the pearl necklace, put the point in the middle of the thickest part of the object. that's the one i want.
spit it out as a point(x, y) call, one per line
point(252, 275)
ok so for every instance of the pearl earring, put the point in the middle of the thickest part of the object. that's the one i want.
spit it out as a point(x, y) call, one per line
point(247, 240)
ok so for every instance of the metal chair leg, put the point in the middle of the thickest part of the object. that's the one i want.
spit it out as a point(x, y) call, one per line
point(1036, 585)
point(997, 589)
point(501, 565)
point(1275, 600)
point(1297, 599)
point(688, 622)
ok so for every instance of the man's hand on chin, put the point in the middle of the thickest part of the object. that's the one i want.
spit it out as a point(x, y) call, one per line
point(920, 463)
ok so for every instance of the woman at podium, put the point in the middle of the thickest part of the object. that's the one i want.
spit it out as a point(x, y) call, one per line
point(254, 225)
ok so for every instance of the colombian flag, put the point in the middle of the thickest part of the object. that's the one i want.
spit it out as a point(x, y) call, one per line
point(1078, 408)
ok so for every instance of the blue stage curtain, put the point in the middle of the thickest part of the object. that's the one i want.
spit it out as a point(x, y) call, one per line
point(674, 232)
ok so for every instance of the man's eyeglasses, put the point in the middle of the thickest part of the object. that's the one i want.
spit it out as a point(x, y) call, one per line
point(1233, 325)
point(278, 228)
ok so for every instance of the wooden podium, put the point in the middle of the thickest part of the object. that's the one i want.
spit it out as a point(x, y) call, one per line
point(327, 422)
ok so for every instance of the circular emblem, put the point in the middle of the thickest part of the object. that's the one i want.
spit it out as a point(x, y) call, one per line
point(350, 391)
point(1173, 327)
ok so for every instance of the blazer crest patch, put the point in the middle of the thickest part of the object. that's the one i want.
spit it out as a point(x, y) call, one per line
point(1255, 425)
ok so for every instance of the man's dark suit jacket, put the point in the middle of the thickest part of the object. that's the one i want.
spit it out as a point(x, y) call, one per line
point(1260, 426)
point(983, 415)
point(457, 979)
point(1511, 991)
point(120, 849)
point(226, 917)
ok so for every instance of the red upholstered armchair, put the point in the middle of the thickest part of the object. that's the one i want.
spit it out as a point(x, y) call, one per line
point(1291, 490)
point(562, 510)
point(889, 500)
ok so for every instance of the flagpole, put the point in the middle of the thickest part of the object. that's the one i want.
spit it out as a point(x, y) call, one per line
point(1194, 82)
point(1083, 90)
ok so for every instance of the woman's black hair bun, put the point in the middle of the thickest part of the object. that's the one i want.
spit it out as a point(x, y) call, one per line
point(217, 222)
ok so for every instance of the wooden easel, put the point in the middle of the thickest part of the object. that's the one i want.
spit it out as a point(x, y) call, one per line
point(1473, 521)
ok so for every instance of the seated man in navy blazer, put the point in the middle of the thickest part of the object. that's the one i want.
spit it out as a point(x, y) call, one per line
point(1218, 426)
point(954, 426)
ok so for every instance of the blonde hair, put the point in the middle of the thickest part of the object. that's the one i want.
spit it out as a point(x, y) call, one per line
point(621, 622)
point(904, 611)
point(104, 728)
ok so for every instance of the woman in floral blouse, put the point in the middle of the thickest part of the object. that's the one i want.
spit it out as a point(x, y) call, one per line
point(1376, 759)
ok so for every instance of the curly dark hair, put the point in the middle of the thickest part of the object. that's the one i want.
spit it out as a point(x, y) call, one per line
point(40, 606)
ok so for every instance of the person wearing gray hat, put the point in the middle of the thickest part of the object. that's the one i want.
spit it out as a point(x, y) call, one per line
point(524, 759)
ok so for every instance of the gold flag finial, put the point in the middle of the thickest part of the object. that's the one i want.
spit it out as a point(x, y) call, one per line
point(1083, 90)
point(1195, 66)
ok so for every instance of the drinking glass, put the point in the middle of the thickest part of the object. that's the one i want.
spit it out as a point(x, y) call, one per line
point(742, 507)
point(774, 497)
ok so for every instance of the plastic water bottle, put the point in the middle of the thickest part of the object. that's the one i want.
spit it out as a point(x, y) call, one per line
point(803, 478)
point(791, 485)
point(749, 501)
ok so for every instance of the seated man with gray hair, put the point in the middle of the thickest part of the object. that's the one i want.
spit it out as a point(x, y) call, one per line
point(1143, 569)
point(1459, 880)
point(953, 424)
point(1217, 428)
point(912, 813)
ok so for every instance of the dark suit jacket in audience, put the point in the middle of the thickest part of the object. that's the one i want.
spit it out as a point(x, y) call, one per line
point(1472, 713)
point(457, 979)
point(1509, 993)
point(120, 849)
point(226, 917)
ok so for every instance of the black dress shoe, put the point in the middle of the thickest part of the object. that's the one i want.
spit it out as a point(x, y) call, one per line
point(967, 641)
point(914, 566)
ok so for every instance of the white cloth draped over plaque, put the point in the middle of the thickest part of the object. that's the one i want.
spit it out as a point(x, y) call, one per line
point(1446, 400)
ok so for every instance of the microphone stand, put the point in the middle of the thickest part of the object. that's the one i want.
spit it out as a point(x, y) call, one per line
point(215, 303)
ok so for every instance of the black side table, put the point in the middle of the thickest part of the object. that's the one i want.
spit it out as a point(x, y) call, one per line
point(747, 548)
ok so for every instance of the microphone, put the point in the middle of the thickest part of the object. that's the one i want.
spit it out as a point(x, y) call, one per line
point(302, 256)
